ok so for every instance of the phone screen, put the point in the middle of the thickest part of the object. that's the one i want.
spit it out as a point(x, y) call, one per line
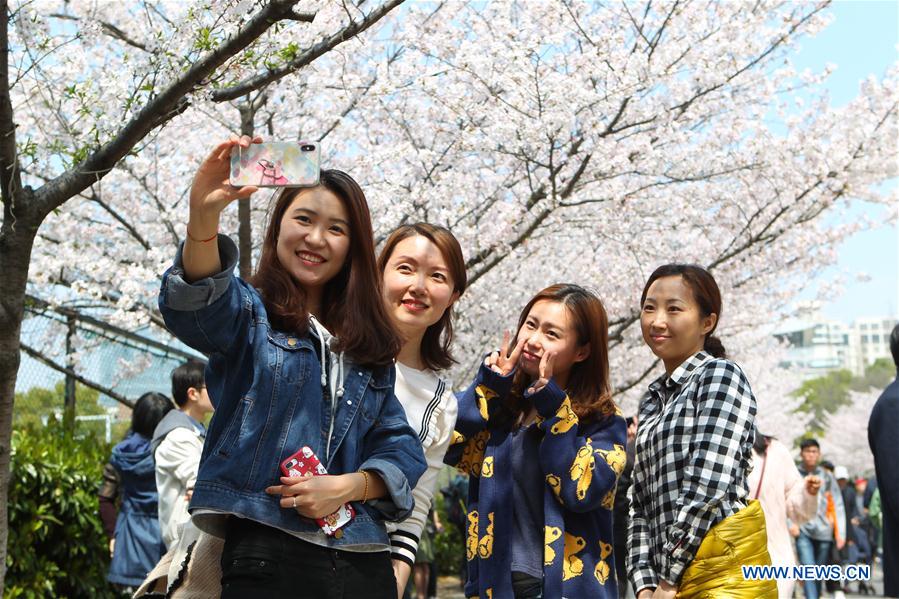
point(276, 164)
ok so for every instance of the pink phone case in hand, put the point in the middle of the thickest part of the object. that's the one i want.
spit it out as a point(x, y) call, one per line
point(305, 461)
point(276, 164)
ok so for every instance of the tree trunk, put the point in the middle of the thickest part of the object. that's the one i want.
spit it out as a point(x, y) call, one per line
point(25, 209)
point(16, 243)
point(69, 411)
point(245, 227)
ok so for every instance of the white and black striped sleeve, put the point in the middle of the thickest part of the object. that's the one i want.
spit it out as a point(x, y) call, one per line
point(405, 537)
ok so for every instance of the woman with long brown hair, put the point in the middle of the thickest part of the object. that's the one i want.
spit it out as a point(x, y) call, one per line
point(543, 443)
point(302, 355)
point(424, 274)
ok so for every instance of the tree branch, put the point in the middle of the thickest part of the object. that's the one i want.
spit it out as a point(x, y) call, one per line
point(684, 106)
point(69, 372)
point(10, 173)
point(489, 257)
point(151, 311)
point(110, 29)
point(263, 79)
point(303, 17)
point(37, 304)
point(638, 379)
point(142, 180)
point(162, 108)
point(114, 214)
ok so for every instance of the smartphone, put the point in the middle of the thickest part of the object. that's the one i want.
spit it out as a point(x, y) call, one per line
point(305, 461)
point(276, 164)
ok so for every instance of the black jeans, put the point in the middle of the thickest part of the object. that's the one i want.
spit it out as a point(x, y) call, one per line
point(260, 559)
point(525, 586)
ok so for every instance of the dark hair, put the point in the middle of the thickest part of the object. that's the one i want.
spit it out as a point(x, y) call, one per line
point(148, 411)
point(760, 445)
point(352, 308)
point(438, 338)
point(894, 345)
point(808, 443)
point(588, 388)
point(188, 375)
point(827, 465)
point(705, 292)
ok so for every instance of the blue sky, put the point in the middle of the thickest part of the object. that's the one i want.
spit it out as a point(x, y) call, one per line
point(861, 41)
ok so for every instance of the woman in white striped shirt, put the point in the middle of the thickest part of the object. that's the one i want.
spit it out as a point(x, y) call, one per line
point(424, 274)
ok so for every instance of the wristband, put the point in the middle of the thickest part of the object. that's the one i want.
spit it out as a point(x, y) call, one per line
point(192, 238)
point(365, 489)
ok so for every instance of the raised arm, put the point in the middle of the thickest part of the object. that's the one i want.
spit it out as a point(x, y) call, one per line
point(801, 504)
point(479, 403)
point(199, 300)
point(210, 193)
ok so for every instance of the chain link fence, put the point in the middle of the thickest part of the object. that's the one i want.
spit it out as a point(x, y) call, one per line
point(72, 358)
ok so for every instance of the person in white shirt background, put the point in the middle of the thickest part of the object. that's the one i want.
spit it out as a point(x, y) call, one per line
point(423, 274)
point(788, 500)
point(177, 447)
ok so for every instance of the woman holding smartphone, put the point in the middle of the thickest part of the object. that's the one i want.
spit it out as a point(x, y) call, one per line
point(424, 274)
point(543, 444)
point(300, 355)
point(692, 524)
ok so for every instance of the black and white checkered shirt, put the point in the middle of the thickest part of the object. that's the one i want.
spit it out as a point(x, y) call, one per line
point(694, 443)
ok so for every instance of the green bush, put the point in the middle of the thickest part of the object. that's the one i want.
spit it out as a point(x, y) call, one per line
point(57, 547)
point(38, 403)
point(449, 546)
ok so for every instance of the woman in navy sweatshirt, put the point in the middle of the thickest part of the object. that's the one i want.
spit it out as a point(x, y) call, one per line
point(543, 444)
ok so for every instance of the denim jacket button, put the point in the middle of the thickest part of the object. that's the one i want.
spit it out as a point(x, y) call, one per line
point(349, 402)
point(291, 342)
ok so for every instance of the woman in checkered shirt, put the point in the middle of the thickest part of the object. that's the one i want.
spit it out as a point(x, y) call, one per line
point(693, 450)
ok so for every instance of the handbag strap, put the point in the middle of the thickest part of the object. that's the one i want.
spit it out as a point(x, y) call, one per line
point(758, 489)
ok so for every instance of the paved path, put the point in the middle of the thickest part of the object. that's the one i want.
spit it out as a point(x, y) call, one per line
point(448, 588)
point(876, 578)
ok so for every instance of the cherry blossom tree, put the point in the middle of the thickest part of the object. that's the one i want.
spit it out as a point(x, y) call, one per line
point(560, 141)
point(846, 440)
point(83, 85)
point(777, 408)
point(620, 139)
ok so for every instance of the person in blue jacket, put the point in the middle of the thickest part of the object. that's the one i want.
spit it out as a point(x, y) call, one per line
point(299, 355)
point(882, 427)
point(543, 444)
point(135, 539)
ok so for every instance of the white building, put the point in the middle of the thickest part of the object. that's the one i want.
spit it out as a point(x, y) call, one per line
point(818, 345)
point(869, 340)
point(816, 348)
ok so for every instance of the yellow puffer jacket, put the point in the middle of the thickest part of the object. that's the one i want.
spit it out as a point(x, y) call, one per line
point(736, 541)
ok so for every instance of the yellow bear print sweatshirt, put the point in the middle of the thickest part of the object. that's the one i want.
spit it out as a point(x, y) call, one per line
point(579, 463)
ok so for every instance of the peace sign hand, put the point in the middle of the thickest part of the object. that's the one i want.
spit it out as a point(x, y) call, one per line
point(545, 370)
point(502, 362)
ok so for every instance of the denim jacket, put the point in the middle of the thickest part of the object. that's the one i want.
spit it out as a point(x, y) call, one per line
point(266, 387)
